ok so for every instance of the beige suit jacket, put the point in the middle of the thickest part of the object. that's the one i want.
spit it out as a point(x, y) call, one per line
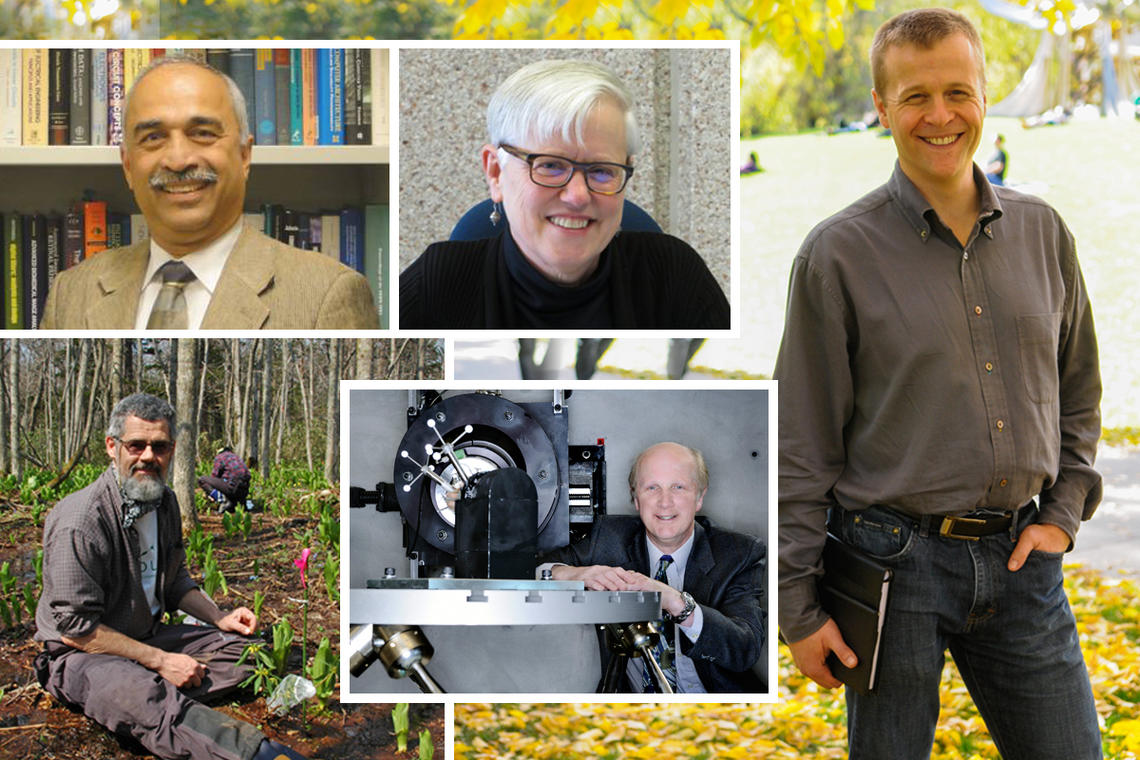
point(265, 285)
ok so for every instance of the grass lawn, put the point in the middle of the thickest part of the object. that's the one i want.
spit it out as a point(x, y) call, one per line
point(1088, 170)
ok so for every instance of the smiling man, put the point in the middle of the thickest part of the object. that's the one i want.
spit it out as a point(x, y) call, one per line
point(114, 565)
point(711, 580)
point(939, 409)
point(186, 157)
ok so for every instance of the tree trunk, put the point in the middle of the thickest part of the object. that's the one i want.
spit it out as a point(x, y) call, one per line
point(364, 358)
point(205, 362)
point(283, 395)
point(186, 432)
point(332, 412)
point(247, 407)
point(3, 411)
point(307, 405)
point(84, 412)
point(138, 367)
point(116, 369)
point(15, 464)
point(265, 404)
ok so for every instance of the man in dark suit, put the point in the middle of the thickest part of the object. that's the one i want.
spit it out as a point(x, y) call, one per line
point(186, 156)
point(713, 593)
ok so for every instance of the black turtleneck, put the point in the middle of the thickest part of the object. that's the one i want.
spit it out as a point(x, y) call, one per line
point(644, 281)
point(540, 303)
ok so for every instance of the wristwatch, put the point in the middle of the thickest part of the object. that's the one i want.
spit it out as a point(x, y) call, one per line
point(690, 605)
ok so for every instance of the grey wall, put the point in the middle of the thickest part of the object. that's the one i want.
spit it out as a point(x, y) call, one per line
point(683, 104)
point(729, 426)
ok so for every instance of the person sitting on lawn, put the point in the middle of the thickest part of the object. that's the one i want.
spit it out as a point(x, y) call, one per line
point(113, 566)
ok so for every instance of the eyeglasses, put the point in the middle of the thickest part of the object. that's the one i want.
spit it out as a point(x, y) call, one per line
point(602, 177)
point(137, 447)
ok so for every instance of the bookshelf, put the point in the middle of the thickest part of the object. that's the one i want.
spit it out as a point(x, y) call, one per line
point(50, 179)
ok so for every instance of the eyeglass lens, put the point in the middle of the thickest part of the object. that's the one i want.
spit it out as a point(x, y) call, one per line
point(553, 171)
point(136, 447)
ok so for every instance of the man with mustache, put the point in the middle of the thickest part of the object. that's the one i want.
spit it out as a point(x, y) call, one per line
point(939, 410)
point(113, 566)
point(186, 157)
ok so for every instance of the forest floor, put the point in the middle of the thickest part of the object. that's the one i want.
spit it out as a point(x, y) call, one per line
point(34, 725)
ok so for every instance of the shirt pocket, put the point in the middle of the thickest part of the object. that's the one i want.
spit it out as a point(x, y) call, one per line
point(1037, 338)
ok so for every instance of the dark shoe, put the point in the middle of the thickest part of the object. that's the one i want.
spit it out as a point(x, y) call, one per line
point(271, 750)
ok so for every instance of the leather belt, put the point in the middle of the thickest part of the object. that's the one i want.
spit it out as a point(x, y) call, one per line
point(969, 527)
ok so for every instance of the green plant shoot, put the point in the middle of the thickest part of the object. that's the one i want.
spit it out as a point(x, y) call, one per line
point(400, 724)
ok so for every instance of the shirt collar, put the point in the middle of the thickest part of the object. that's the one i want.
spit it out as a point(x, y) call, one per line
point(919, 213)
point(206, 263)
point(680, 556)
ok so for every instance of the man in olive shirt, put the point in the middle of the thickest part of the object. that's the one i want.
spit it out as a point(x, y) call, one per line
point(939, 361)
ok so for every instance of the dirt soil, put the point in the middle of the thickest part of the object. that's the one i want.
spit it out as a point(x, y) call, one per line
point(34, 725)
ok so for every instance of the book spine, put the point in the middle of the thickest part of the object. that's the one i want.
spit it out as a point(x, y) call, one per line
point(309, 118)
point(315, 232)
point(73, 236)
point(117, 236)
point(59, 96)
point(99, 96)
point(94, 227)
point(35, 96)
point(54, 228)
point(358, 98)
point(330, 235)
point(265, 97)
point(352, 238)
point(290, 227)
point(296, 99)
point(219, 58)
point(351, 95)
point(13, 273)
point(241, 71)
point(324, 96)
point(379, 94)
point(79, 115)
point(336, 96)
point(10, 102)
point(116, 95)
point(139, 229)
point(376, 254)
point(35, 261)
point(281, 75)
point(134, 61)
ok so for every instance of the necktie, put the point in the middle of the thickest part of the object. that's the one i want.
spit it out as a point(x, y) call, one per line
point(169, 312)
point(664, 651)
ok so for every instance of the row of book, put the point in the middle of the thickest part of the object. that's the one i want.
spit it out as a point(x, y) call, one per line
point(38, 246)
point(77, 96)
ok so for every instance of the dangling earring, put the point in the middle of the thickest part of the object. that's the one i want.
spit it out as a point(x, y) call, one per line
point(496, 215)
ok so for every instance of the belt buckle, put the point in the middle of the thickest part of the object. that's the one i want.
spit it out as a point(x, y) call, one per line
point(948, 523)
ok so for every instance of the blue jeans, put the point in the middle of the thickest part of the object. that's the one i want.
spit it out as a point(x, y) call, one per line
point(1012, 636)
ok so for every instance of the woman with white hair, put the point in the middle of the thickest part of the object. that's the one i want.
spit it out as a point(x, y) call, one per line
point(562, 140)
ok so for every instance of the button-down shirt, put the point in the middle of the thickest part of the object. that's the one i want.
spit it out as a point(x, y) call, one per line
point(229, 467)
point(206, 264)
point(91, 565)
point(932, 376)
